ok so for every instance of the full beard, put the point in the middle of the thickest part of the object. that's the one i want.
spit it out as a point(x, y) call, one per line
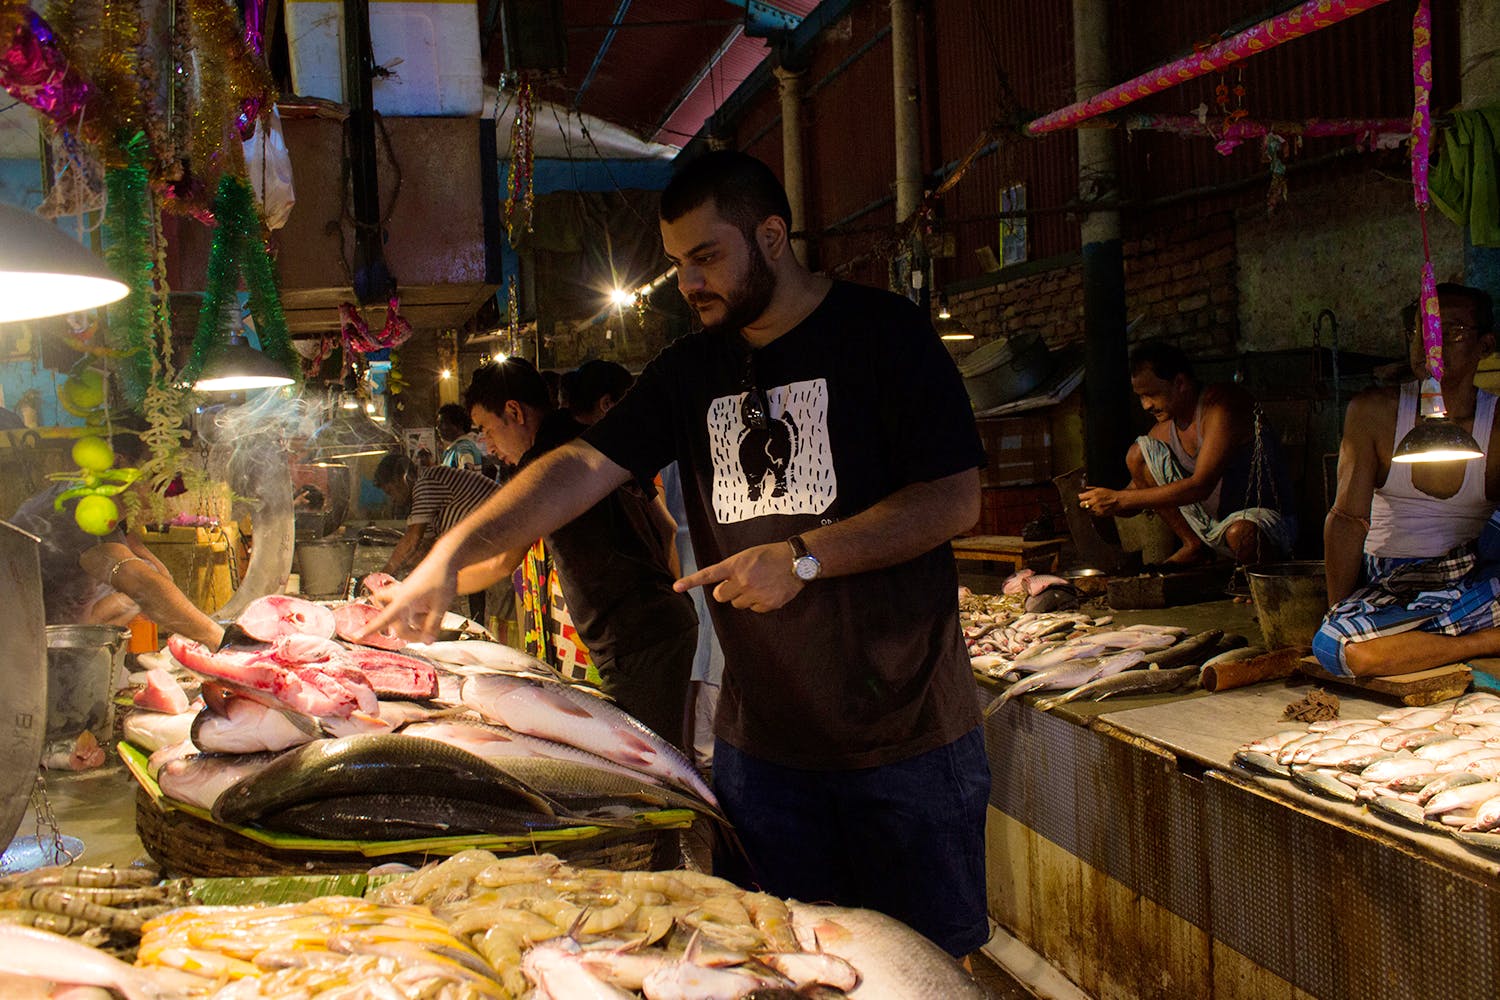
point(747, 303)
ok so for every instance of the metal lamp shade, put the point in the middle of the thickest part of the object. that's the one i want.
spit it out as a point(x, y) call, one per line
point(349, 434)
point(44, 273)
point(240, 366)
point(1437, 439)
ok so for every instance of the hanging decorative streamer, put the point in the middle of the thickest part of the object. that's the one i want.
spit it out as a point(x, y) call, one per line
point(520, 192)
point(356, 332)
point(128, 226)
point(1421, 144)
point(238, 249)
point(1374, 133)
point(255, 23)
point(35, 72)
point(513, 317)
point(1304, 19)
point(228, 73)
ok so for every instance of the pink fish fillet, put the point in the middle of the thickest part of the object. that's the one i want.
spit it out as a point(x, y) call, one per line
point(395, 674)
point(276, 615)
point(350, 620)
point(256, 674)
point(376, 582)
point(162, 693)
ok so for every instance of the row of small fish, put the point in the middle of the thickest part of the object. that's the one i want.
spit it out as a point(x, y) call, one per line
point(1009, 634)
point(1435, 764)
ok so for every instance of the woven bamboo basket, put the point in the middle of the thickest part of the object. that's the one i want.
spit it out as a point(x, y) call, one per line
point(183, 844)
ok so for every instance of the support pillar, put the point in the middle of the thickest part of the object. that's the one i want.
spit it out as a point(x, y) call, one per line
point(789, 86)
point(908, 122)
point(1108, 420)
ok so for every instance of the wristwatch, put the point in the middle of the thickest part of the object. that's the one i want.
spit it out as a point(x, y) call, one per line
point(805, 565)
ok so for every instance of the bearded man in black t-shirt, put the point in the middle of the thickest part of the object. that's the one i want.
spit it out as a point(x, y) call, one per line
point(828, 454)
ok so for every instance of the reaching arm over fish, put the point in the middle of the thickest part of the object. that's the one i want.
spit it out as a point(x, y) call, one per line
point(545, 495)
point(909, 522)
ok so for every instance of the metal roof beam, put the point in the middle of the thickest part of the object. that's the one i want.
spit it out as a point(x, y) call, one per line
point(609, 38)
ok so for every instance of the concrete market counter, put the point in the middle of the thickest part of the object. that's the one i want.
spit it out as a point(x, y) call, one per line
point(1125, 848)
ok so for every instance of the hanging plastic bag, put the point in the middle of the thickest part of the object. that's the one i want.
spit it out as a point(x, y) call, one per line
point(270, 167)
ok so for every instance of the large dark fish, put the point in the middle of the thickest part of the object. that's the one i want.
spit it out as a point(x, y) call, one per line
point(586, 790)
point(365, 765)
point(406, 817)
point(1194, 650)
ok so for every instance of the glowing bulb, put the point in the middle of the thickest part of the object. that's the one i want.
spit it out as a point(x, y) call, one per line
point(445, 374)
point(350, 403)
point(500, 357)
point(943, 313)
point(621, 297)
point(369, 407)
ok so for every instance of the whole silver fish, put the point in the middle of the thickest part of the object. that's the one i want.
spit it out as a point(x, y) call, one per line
point(1262, 763)
point(1233, 655)
point(1067, 675)
point(894, 961)
point(200, 779)
point(1398, 809)
point(1152, 681)
point(1464, 798)
point(1325, 784)
point(562, 713)
point(1437, 787)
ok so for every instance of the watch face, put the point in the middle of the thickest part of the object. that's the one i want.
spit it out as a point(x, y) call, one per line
point(806, 568)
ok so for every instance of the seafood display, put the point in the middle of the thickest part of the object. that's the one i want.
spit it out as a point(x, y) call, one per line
point(1436, 766)
point(303, 735)
point(93, 904)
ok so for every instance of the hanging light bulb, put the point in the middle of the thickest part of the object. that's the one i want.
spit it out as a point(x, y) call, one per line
point(1435, 438)
point(240, 366)
point(445, 374)
point(44, 273)
point(621, 297)
point(349, 433)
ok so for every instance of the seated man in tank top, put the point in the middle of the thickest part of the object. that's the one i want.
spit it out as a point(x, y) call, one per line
point(1413, 550)
point(1209, 467)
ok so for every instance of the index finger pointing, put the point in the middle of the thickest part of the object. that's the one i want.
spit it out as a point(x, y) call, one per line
point(708, 574)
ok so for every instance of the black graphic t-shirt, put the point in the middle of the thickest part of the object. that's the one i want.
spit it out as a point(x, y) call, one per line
point(856, 671)
point(612, 564)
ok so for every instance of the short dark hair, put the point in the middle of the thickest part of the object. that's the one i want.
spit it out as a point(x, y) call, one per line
point(1483, 305)
point(743, 189)
point(496, 383)
point(392, 467)
point(1165, 360)
point(593, 380)
point(456, 415)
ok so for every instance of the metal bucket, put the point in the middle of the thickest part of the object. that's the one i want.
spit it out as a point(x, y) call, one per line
point(84, 663)
point(324, 565)
point(1290, 600)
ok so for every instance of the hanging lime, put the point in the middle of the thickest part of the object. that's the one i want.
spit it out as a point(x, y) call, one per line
point(93, 453)
point(85, 389)
point(97, 515)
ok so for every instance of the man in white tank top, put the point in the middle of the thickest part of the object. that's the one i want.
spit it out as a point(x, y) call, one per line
point(1412, 552)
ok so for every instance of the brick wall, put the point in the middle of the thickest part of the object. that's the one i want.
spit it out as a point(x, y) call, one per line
point(1179, 284)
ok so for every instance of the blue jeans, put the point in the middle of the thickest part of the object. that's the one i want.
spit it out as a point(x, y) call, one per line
point(906, 839)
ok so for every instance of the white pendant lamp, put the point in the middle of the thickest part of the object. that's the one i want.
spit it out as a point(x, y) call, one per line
point(45, 273)
point(239, 366)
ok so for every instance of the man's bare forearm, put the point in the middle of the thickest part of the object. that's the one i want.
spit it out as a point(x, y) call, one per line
point(1343, 550)
point(544, 496)
point(909, 522)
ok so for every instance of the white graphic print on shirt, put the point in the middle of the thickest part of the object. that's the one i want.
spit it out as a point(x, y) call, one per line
point(787, 468)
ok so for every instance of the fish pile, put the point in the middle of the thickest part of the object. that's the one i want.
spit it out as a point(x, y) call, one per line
point(568, 932)
point(301, 734)
point(95, 904)
point(333, 946)
point(1093, 663)
point(1437, 766)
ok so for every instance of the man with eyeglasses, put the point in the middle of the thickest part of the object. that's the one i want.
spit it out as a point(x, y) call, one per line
point(1412, 550)
point(828, 454)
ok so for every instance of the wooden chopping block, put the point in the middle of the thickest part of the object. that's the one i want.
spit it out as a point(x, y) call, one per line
point(1421, 687)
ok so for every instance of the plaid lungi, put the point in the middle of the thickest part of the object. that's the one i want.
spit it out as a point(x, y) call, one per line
point(1452, 594)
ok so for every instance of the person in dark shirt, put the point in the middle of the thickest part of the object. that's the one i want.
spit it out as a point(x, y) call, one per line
point(828, 454)
point(612, 558)
point(594, 387)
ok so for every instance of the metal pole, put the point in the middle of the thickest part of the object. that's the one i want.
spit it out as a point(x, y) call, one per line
point(789, 84)
point(907, 123)
point(1107, 430)
point(372, 279)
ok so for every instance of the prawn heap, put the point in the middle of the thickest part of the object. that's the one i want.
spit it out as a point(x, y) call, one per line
point(97, 905)
point(478, 927)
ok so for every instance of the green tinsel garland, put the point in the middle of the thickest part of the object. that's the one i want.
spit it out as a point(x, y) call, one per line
point(237, 248)
point(128, 226)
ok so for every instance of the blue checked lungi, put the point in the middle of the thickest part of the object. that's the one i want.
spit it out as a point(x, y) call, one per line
point(1452, 594)
point(1278, 528)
